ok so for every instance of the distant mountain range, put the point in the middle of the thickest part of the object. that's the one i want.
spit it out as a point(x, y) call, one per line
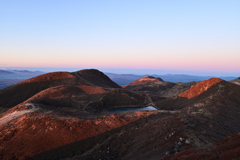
point(10, 77)
point(18, 74)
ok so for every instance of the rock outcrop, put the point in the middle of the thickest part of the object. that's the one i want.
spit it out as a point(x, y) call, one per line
point(146, 79)
point(236, 81)
point(199, 88)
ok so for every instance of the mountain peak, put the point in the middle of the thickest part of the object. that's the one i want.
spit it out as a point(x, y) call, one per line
point(96, 78)
point(199, 88)
point(145, 79)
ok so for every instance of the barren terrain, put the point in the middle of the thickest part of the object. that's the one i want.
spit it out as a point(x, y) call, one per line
point(64, 115)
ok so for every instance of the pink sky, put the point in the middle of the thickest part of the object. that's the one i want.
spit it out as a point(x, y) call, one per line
point(190, 35)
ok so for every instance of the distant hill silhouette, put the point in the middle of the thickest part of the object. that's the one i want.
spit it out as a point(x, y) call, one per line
point(11, 77)
point(18, 74)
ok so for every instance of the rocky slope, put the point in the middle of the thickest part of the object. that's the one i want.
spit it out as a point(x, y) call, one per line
point(22, 91)
point(236, 81)
point(64, 81)
point(213, 113)
point(199, 88)
point(41, 130)
point(158, 87)
point(63, 121)
point(96, 78)
point(55, 109)
point(200, 128)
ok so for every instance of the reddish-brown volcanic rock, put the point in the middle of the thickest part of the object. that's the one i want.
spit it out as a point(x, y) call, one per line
point(84, 98)
point(66, 92)
point(192, 131)
point(36, 132)
point(199, 88)
point(92, 89)
point(143, 80)
point(61, 119)
point(147, 138)
point(24, 90)
point(202, 121)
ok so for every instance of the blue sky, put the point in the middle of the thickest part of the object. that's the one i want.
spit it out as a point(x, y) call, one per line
point(173, 36)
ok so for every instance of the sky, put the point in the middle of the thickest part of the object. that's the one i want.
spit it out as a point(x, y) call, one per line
point(200, 37)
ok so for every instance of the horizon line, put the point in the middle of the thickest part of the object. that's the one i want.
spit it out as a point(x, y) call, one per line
point(132, 71)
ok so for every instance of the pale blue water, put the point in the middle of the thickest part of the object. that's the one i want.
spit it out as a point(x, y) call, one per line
point(115, 110)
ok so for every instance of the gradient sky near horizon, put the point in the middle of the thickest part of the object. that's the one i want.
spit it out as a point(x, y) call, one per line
point(167, 35)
